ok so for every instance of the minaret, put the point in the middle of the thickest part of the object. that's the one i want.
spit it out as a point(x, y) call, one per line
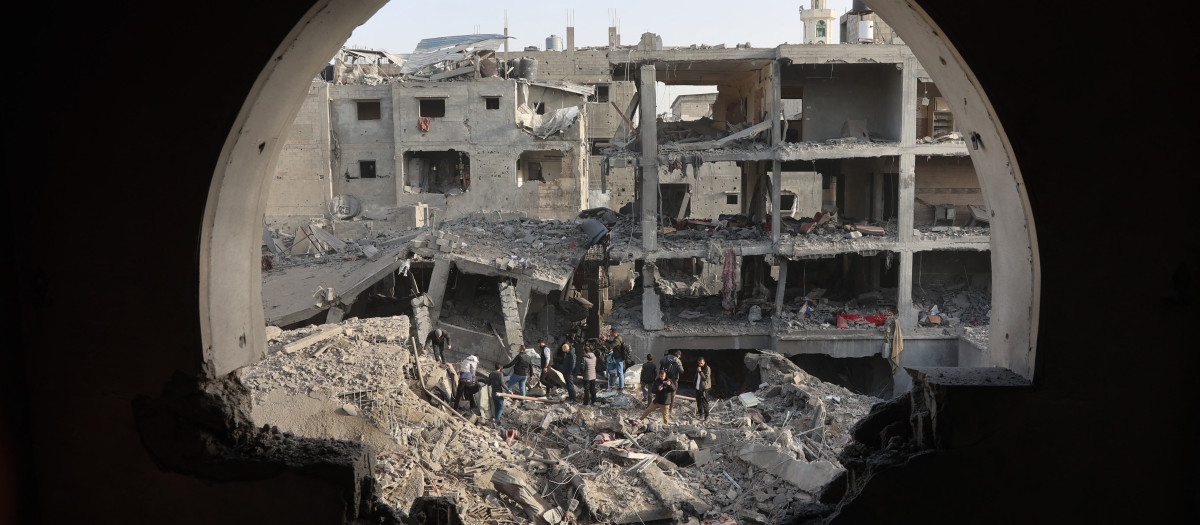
point(818, 23)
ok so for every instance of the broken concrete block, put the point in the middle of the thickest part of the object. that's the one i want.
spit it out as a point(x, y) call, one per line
point(350, 410)
point(371, 252)
point(809, 477)
point(273, 332)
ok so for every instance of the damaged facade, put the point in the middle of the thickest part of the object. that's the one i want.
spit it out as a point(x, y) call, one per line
point(852, 225)
point(819, 208)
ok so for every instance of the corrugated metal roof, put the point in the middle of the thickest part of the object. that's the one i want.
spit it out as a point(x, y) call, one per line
point(433, 50)
point(564, 85)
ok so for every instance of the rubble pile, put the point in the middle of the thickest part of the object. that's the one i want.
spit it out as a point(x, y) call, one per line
point(355, 355)
point(758, 458)
point(928, 232)
point(549, 248)
point(953, 305)
point(314, 243)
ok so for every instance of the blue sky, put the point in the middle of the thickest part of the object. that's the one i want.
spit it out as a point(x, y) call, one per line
point(401, 24)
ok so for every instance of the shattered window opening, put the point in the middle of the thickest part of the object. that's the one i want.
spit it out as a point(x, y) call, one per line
point(820, 28)
point(368, 110)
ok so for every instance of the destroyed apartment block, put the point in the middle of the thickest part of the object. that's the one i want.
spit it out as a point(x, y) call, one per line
point(850, 217)
point(818, 208)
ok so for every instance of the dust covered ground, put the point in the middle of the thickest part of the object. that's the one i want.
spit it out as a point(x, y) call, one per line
point(759, 458)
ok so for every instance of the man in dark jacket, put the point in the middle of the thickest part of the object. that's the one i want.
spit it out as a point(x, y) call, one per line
point(673, 365)
point(646, 378)
point(566, 365)
point(522, 366)
point(467, 387)
point(664, 395)
point(703, 383)
point(441, 342)
point(496, 381)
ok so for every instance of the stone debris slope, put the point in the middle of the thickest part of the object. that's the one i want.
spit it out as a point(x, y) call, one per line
point(762, 457)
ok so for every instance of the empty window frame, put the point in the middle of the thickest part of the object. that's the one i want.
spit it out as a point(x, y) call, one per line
point(787, 202)
point(433, 107)
point(541, 166)
point(366, 169)
point(600, 95)
point(731, 199)
point(491, 102)
point(447, 172)
point(368, 109)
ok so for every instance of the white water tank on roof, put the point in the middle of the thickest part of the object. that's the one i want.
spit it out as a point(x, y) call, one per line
point(866, 31)
point(554, 43)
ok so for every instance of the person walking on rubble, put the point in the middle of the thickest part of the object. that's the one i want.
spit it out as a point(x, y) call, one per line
point(664, 395)
point(672, 364)
point(610, 370)
point(549, 381)
point(566, 365)
point(589, 378)
point(496, 381)
point(466, 381)
point(441, 342)
point(618, 353)
point(647, 377)
point(522, 366)
point(703, 383)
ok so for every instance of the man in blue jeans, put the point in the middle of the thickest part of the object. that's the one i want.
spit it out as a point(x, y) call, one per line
point(496, 381)
point(617, 351)
point(522, 366)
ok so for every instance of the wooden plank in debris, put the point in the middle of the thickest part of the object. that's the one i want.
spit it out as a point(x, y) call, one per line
point(528, 398)
point(325, 333)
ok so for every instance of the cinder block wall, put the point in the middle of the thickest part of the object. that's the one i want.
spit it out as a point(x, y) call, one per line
point(945, 180)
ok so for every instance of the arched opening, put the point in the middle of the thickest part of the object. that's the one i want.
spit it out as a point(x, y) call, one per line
point(230, 298)
point(230, 287)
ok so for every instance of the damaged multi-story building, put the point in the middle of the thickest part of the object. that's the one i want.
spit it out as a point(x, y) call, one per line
point(820, 202)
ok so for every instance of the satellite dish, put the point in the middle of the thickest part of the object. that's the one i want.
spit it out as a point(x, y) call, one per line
point(344, 207)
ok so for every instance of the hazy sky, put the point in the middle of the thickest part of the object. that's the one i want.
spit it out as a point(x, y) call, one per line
point(401, 24)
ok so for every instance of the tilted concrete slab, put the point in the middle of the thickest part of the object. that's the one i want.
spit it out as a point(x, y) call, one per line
point(288, 292)
point(809, 477)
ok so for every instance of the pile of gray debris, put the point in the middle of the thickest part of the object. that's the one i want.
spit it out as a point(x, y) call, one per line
point(761, 457)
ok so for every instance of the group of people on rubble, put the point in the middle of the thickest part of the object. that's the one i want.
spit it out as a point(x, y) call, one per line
point(659, 382)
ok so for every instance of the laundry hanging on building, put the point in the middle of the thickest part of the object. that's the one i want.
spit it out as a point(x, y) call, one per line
point(423, 123)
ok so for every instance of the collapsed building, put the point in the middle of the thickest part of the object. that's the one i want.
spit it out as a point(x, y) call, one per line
point(819, 204)
point(853, 219)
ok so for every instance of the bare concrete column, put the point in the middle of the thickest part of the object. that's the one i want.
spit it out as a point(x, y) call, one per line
point(908, 90)
point(908, 195)
point(571, 39)
point(781, 286)
point(524, 292)
point(904, 305)
point(510, 308)
point(776, 192)
point(648, 130)
point(652, 317)
point(776, 105)
point(437, 288)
